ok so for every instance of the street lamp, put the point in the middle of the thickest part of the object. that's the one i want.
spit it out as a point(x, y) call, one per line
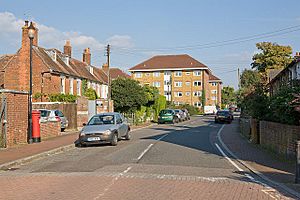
point(31, 33)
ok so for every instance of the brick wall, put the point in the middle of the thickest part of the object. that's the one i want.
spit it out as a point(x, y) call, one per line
point(82, 111)
point(17, 117)
point(69, 110)
point(279, 138)
point(49, 129)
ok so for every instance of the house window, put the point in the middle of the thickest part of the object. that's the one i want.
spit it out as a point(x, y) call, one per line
point(197, 83)
point(214, 91)
point(71, 86)
point(78, 89)
point(138, 75)
point(156, 74)
point(156, 84)
point(187, 73)
point(187, 93)
point(148, 74)
point(91, 69)
point(214, 84)
point(197, 104)
point(62, 85)
point(213, 98)
point(178, 84)
point(197, 93)
point(178, 73)
point(187, 83)
point(178, 94)
point(168, 73)
point(197, 73)
point(167, 82)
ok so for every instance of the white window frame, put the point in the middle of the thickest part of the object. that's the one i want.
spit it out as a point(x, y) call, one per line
point(177, 94)
point(187, 93)
point(156, 74)
point(197, 73)
point(178, 73)
point(197, 104)
point(62, 84)
point(214, 84)
point(214, 91)
point(213, 98)
point(147, 74)
point(197, 93)
point(178, 84)
point(78, 87)
point(138, 75)
point(156, 84)
point(71, 86)
point(196, 83)
point(187, 73)
point(187, 83)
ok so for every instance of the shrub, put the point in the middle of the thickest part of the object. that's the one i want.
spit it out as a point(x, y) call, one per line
point(90, 94)
point(69, 98)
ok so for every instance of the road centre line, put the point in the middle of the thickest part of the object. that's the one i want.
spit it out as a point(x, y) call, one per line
point(144, 152)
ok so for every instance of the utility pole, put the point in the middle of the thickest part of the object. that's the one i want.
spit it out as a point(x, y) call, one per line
point(108, 76)
point(238, 76)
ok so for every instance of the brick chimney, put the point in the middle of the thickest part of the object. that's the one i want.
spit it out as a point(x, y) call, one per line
point(86, 57)
point(25, 38)
point(297, 56)
point(105, 67)
point(68, 48)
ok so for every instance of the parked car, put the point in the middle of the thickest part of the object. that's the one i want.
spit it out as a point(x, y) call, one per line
point(223, 116)
point(54, 115)
point(167, 115)
point(104, 128)
point(180, 115)
point(186, 114)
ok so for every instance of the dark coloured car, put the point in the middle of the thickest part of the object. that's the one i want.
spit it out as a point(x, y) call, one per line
point(104, 128)
point(223, 116)
point(167, 115)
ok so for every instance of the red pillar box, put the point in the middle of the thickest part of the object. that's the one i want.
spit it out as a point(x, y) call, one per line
point(36, 131)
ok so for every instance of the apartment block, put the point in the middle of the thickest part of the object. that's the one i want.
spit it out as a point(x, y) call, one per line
point(180, 78)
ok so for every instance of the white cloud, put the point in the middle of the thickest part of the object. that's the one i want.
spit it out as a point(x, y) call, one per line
point(120, 41)
point(50, 37)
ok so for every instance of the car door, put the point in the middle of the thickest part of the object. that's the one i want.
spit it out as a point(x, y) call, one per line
point(120, 125)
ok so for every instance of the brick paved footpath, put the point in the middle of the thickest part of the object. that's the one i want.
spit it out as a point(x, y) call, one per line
point(127, 186)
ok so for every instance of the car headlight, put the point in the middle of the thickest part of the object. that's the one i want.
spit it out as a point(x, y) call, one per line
point(82, 134)
point(107, 132)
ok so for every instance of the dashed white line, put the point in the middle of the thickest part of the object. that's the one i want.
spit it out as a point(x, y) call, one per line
point(144, 152)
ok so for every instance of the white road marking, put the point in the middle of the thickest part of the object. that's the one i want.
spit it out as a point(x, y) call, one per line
point(225, 156)
point(144, 152)
point(267, 187)
point(112, 183)
point(159, 139)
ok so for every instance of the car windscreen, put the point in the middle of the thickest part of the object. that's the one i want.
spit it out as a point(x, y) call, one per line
point(163, 112)
point(222, 113)
point(101, 120)
point(44, 113)
point(59, 113)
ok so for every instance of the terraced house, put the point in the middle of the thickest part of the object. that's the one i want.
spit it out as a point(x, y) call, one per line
point(54, 71)
point(181, 78)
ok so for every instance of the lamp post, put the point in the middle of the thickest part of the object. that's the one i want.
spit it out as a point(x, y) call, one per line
point(31, 33)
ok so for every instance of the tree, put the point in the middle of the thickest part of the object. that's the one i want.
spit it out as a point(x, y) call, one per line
point(90, 93)
point(128, 95)
point(228, 96)
point(272, 56)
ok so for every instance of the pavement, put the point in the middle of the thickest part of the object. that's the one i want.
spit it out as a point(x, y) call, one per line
point(278, 173)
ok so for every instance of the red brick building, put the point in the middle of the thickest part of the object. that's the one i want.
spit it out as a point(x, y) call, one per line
point(54, 71)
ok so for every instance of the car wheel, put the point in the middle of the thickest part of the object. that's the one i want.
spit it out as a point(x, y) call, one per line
point(114, 140)
point(127, 136)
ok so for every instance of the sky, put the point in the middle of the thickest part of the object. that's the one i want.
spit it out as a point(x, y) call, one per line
point(219, 33)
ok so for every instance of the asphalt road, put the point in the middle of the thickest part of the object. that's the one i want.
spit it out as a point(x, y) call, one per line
point(167, 161)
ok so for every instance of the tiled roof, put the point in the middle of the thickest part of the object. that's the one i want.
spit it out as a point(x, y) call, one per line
point(116, 73)
point(75, 68)
point(99, 73)
point(213, 78)
point(162, 62)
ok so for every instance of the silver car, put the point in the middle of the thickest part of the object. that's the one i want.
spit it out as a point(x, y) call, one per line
point(54, 115)
point(104, 128)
